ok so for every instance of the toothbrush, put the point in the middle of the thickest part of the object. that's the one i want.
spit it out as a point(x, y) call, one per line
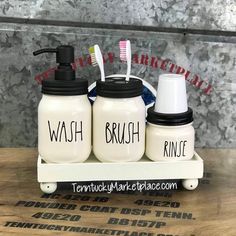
point(125, 55)
point(97, 59)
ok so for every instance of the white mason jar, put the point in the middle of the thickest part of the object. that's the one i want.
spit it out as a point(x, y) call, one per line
point(64, 121)
point(119, 120)
point(169, 136)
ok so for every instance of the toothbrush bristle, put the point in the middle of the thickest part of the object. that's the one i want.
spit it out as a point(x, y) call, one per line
point(91, 50)
point(93, 58)
point(122, 45)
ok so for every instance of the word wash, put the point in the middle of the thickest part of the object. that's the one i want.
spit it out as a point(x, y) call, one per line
point(66, 131)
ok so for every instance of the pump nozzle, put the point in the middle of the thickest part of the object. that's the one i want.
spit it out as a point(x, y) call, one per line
point(64, 53)
point(35, 53)
point(64, 56)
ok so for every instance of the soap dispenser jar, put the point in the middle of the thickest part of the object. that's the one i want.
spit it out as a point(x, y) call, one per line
point(119, 120)
point(64, 113)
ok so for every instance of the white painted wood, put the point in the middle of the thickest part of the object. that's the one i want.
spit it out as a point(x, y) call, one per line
point(145, 169)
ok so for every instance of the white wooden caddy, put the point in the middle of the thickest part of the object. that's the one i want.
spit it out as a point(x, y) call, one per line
point(93, 170)
point(188, 171)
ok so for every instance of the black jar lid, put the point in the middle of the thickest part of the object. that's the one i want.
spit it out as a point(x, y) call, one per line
point(65, 87)
point(118, 87)
point(169, 119)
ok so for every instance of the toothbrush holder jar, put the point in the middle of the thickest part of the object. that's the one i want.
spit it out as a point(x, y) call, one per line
point(169, 137)
point(119, 120)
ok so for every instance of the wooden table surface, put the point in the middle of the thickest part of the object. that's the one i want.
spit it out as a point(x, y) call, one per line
point(209, 210)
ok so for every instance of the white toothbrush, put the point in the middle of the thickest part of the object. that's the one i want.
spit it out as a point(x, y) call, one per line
point(97, 59)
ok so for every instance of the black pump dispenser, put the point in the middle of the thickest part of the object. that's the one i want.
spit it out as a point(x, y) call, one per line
point(64, 82)
point(64, 56)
